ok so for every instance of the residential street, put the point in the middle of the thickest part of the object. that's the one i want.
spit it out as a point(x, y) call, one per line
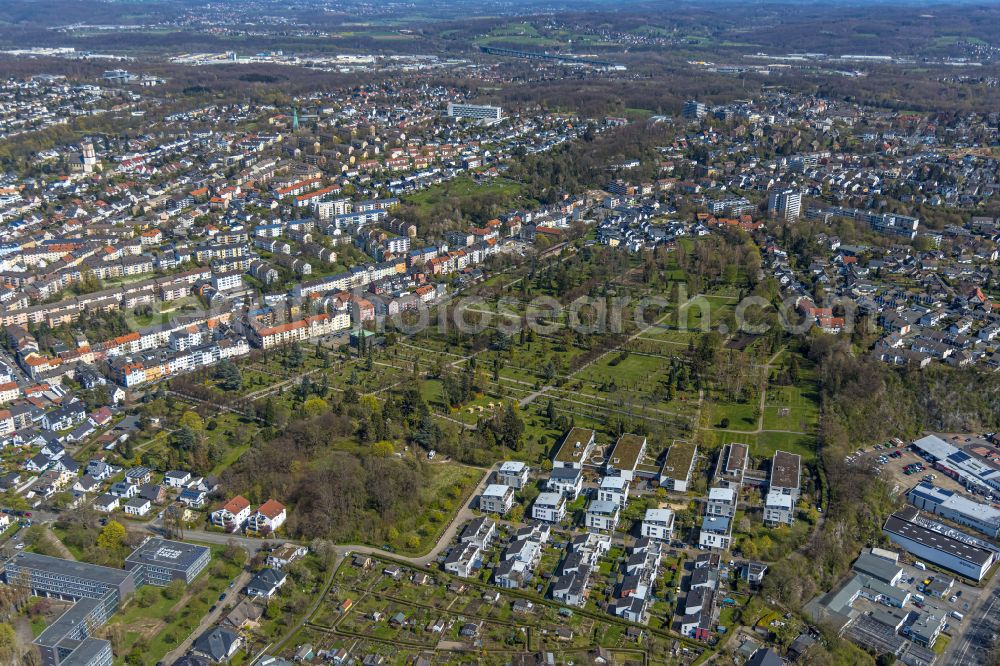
point(210, 619)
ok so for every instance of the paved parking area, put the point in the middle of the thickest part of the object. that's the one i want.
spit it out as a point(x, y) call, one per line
point(960, 598)
point(894, 472)
point(978, 639)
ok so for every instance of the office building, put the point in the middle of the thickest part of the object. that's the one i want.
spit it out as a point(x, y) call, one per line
point(98, 593)
point(159, 562)
point(956, 508)
point(694, 110)
point(945, 550)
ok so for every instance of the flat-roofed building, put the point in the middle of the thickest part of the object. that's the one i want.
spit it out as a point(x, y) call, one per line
point(575, 449)
point(778, 509)
point(159, 562)
point(625, 456)
point(49, 576)
point(960, 465)
point(513, 473)
point(925, 627)
point(962, 557)
point(474, 111)
point(716, 532)
point(658, 524)
point(550, 507)
point(614, 489)
point(677, 466)
point(733, 462)
point(952, 506)
point(786, 474)
point(98, 592)
point(721, 502)
point(497, 498)
point(602, 515)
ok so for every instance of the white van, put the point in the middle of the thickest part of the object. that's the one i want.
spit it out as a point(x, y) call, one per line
point(958, 616)
point(919, 598)
point(920, 565)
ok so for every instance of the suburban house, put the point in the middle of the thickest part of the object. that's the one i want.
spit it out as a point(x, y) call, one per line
point(137, 506)
point(285, 554)
point(266, 583)
point(176, 478)
point(105, 503)
point(218, 644)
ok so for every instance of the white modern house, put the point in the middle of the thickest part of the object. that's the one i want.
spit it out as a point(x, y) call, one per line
point(721, 502)
point(550, 507)
point(567, 481)
point(614, 489)
point(778, 509)
point(658, 524)
point(716, 532)
point(497, 498)
point(513, 473)
point(603, 515)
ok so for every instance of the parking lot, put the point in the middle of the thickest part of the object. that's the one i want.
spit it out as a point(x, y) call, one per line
point(959, 599)
point(893, 469)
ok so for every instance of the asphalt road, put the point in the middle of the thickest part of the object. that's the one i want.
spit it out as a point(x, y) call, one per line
point(975, 643)
point(253, 545)
point(463, 516)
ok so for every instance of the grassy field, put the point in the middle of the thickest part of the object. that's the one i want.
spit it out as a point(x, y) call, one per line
point(462, 188)
point(764, 444)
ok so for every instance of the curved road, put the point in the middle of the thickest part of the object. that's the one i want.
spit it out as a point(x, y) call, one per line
point(252, 545)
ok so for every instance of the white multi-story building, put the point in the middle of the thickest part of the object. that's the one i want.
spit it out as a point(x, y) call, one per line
point(566, 480)
point(785, 204)
point(721, 502)
point(716, 532)
point(658, 524)
point(602, 515)
point(778, 509)
point(550, 507)
point(497, 498)
point(513, 473)
point(614, 489)
point(474, 111)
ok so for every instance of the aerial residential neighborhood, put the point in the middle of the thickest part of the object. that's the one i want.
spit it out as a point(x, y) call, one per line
point(512, 334)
